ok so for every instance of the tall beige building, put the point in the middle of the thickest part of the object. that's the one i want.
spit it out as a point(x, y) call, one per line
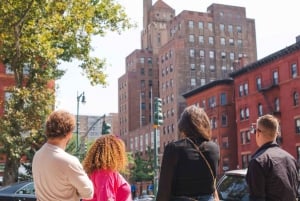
point(187, 50)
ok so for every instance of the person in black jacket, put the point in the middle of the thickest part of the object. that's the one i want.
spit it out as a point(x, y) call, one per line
point(187, 174)
point(272, 172)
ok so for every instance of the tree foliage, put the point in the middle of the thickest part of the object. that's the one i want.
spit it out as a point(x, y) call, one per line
point(143, 169)
point(35, 37)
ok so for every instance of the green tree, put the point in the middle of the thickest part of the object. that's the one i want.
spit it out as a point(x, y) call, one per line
point(143, 168)
point(35, 37)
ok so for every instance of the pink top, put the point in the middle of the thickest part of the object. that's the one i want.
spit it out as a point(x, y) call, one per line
point(110, 186)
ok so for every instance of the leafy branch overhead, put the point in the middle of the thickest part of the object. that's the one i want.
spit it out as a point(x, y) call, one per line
point(36, 36)
point(50, 31)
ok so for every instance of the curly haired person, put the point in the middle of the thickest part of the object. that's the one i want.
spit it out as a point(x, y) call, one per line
point(103, 163)
point(58, 175)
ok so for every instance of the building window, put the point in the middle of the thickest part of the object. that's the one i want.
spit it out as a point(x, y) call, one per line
point(142, 83)
point(8, 69)
point(192, 53)
point(247, 113)
point(224, 119)
point(239, 29)
point(211, 40)
point(201, 39)
point(192, 66)
point(202, 68)
point(223, 99)
point(294, 71)
point(275, 78)
point(26, 68)
point(276, 105)
point(142, 60)
point(149, 60)
point(191, 24)
point(201, 53)
point(214, 123)
point(222, 41)
point(158, 38)
point(193, 82)
point(223, 55)
point(297, 123)
point(191, 38)
point(231, 42)
point(230, 28)
point(225, 142)
point(142, 71)
point(222, 27)
point(242, 114)
point(200, 25)
point(240, 43)
point(246, 89)
point(212, 68)
point(245, 137)
point(202, 81)
point(224, 70)
point(258, 83)
point(260, 109)
point(296, 98)
point(212, 102)
point(210, 26)
point(231, 56)
point(7, 97)
point(241, 90)
point(211, 54)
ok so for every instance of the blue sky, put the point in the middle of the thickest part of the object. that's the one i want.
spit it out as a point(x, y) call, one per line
point(276, 27)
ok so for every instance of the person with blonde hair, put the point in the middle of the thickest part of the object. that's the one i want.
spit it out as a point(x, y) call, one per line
point(189, 165)
point(103, 163)
point(58, 175)
point(272, 172)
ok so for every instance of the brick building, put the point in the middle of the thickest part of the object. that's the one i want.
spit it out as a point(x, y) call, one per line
point(188, 50)
point(270, 85)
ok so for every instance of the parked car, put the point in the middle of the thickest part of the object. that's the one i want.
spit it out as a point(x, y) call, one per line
point(146, 198)
point(18, 191)
point(232, 186)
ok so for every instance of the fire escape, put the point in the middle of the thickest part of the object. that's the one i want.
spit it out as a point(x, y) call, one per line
point(270, 92)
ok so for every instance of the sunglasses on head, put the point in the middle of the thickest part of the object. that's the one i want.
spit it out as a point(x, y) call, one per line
point(254, 129)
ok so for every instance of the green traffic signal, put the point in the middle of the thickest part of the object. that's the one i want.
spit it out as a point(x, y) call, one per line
point(158, 115)
point(106, 128)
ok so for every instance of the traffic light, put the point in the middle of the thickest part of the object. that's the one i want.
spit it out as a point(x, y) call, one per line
point(106, 128)
point(158, 116)
point(85, 147)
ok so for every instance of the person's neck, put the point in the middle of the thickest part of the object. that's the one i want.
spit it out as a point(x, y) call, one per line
point(57, 142)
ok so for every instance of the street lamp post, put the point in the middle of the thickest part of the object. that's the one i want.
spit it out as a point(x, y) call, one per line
point(80, 98)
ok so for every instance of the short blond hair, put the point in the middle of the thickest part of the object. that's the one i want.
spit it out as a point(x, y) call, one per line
point(107, 152)
point(270, 123)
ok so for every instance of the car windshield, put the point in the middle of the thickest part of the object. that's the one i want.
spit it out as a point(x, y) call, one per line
point(28, 189)
point(233, 188)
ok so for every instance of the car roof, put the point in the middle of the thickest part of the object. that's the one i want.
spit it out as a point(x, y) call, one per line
point(14, 187)
point(241, 172)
